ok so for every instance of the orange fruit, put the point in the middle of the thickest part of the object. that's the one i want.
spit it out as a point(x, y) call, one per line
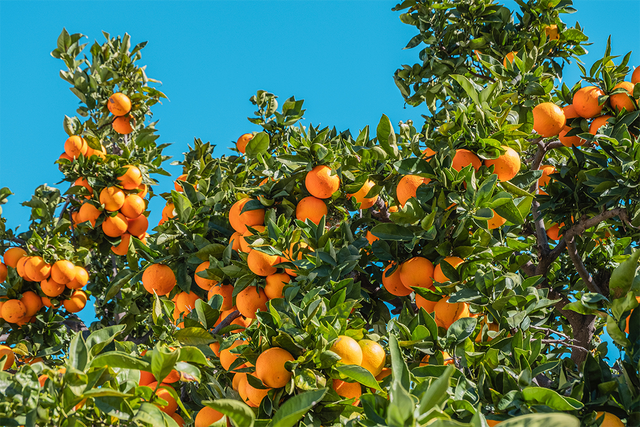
point(608, 419)
point(321, 183)
point(570, 141)
point(20, 267)
point(548, 119)
point(63, 271)
point(158, 278)
point(46, 301)
point(115, 226)
point(370, 237)
point(98, 153)
point(447, 313)
point(597, 123)
point(551, 31)
point(244, 243)
point(393, 209)
point(429, 306)
point(360, 195)
point(122, 125)
point(64, 155)
point(275, 285)
point(255, 395)
point(37, 269)
point(119, 104)
point(439, 276)
point(623, 100)
point(545, 178)
point(496, 222)
point(235, 240)
point(207, 416)
point(133, 206)
point(88, 213)
point(123, 247)
point(82, 182)
point(203, 282)
point(417, 271)
point(311, 208)
point(74, 146)
point(178, 419)
point(464, 158)
point(131, 179)
point(635, 76)
point(239, 220)
point(242, 390)
point(553, 232)
point(3, 272)
point(163, 393)
point(250, 300)
point(227, 358)
point(226, 291)
point(408, 187)
point(76, 302)
point(270, 367)
point(262, 264)
point(11, 357)
point(348, 390)
point(507, 165)
point(12, 255)
point(348, 349)
point(373, 356)
point(493, 423)
point(215, 347)
point(448, 360)
point(393, 283)
point(570, 112)
point(80, 279)
point(42, 379)
point(241, 144)
point(186, 302)
point(509, 57)
point(32, 302)
point(137, 226)
point(112, 198)
point(13, 311)
point(146, 378)
point(177, 186)
point(585, 101)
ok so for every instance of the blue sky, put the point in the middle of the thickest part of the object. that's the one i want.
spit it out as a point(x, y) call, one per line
point(212, 56)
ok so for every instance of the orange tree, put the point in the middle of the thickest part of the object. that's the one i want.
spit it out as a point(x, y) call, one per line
point(459, 274)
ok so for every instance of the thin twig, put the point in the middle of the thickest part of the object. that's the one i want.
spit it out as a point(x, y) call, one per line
point(586, 277)
point(226, 322)
point(561, 342)
point(551, 331)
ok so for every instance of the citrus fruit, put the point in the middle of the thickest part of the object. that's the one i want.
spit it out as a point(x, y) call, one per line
point(262, 264)
point(439, 276)
point(74, 146)
point(133, 206)
point(417, 271)
point(119, 104)
point(320, 182)
point(548, 119)
point(12, 255)
point(240, 220)
point(348, 349)
point(393, 284)
point(227, 358)
point(408, 187)
point(88, 213)
point(251, 300)
point(241, 144)
point(115, 226)
point(131, 179)
point(32, 302)
point(11, 357)
point(621, 101)
point(63, 271)
point(270, 367)
point(112, 198)
point(275, 285)
point(464, 158)
point(311, 208)
point(373, 356)
point(226, 291)
point(496, 221)
point(203, 282)
point(37, 269)
point(80, 279)
point(507, 165)
point(428, 305)
point(137, 226)
point(348, 390)
point(158, 278)
point(360, 195)
point(608, 419)
point(207, 416)
point(585, 101)
point(597, 123)
point(123, 247)
point(447, 313)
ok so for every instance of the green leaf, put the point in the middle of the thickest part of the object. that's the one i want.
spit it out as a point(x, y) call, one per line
point(468, 87)
point(99, 339)
point(461, 329)
point(437, 391)
point(295, 408)
point(399, 368)
point(510, 212)
point(118, 359)
point(542, 420)
point(152, 415)
point(387, 136)
point(239, 412)
point(259, 144)
point(623, 275)
point(401, 405)
point(78, 352)
point(193, 336)
point(359, 374)
point(163, 361)
point(618, 336)
point(550, 398)
point(390, 231)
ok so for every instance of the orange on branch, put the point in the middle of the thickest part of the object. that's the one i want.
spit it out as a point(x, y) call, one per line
point(585, 101)
point(360, 195)
point(393, 284)
point(137, 226)
point(20, 267)
point(186, 302)
point(439, 276)
point(74, 146)
point(80, 279)
point(159, 278)
point(88, 213)
point(373, 356)
point(11, 357)
point(270, 367)
point(608, 419)
point(235, 241)
point(12, 255)
point(447, 313)
point(348, 349)
point(119, 104)
point(3, 272)
point(507, 165)
point(115, 226)
point(348, 390)
point(570, 141)
point(370, 237)
point(100, 153)
point(227, 358)
point(225, 291)
point(408, 187)
point(178, 419)
point(244, 243)
point(32, 303)
point(131, 179)
point(621, 101)
point(548, 119)
point(255, 395)
point(417, 271)
point(76, 302)
point(63, 271)
point(112, 198)
point(163, 393)
point(133, 206)
point(311, 208)
point(275, 284)
point(553, 232)
point(241, 144)
point(495, 222)
point(37, 269)
point(122, 125)
point(203, 282)
point(123, 247)
point(320, 182)
point(262, 264)
point(82, 182)
point(464, 158)
point(251, 300)
point(597, 123)
point(428, 305)
point(239, 220)
point(207, 416)
point(543, 181)
point(509, 57)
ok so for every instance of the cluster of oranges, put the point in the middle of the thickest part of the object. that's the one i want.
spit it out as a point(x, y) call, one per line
point(119, 105)
point(53, 280)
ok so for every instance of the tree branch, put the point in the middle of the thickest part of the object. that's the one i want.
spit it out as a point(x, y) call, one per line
point(226, 322)
point(548, 332)
point(380, 211)
point(561, 342)
point(73, 323)
point(541, 232)
point(580, 268)
point(542, 150)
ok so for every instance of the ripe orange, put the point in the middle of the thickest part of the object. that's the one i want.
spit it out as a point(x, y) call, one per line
point(493, 423)
point(496, 222)
point(115, 226)
point(270, 367)
point(207, 416)
point(119, 104)
point(13, 311)
point(20, 267)
point(64, 155)
point(88, 213)
point(133, 206)
point(11, 357)
point(63, 271)
point(112, 198)
point(429, 306)
point(122, 125)
point(3, 272)
point(250, 300)
point(101, 154)
point(507, 165)
point(553, 232)
point(635, 76)
point(235, 240)
point(37, 269)
point(244, 243)
point(548, 119)
point(597, 123)
point(447, 313)
point(360, 195)
point(203, 282)
point(131, 179)
point(241, 144)
point(239, 220)
point(176, 185)
point(74, 146)
point(570, 141)
point(32, 302)
point(142, 190)
point(408, 187)
point(163, 393)
point(137, 226)
point(46, 301)
point(370, 237)
point(348, 350)
point(439, 276)
point(227, 358)
point(321, 183)
point(623, 100)
point(158, 278)
point(242, 390)
point(275, 285)
point(463, 158)
point(123, 247)
point(262, 264)
point(373, 356)
point(311, 208)
point(186, 302)
point(12, 255)
point(585, 101)
point(393, 209)
point(570, 112)
point(178, 419)
point(226, 291)
point(76, 302)
point(348, 390)
point(80, 279)
point(393, 283)
point(84, 183)
point(608, 419)
point(509, 57)
point(255, 395)
point(545, 178)
point(51, 288)
point(417, 271)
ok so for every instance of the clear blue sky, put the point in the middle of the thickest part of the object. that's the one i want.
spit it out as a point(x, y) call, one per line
point(212, 56)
